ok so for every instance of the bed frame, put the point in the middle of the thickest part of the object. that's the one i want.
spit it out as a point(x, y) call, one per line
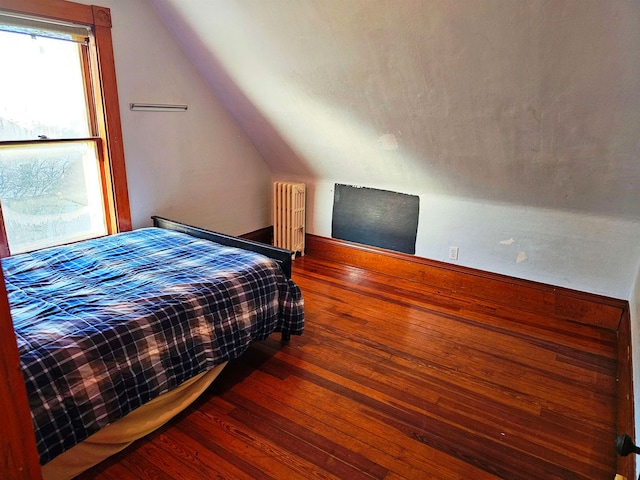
point(282, 256)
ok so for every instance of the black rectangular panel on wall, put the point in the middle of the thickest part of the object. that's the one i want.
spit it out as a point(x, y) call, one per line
point(379, 218)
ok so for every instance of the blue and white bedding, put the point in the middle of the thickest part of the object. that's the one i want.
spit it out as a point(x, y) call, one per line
point(105, 325)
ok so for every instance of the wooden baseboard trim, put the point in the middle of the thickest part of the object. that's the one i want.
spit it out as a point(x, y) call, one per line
point(573, 305)
point(625, 415)
point(559, 302)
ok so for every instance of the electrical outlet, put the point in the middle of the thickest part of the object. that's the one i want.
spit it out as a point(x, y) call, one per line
point(453, 253)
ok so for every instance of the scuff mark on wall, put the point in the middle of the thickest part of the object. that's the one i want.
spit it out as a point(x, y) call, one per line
point(521, 257)
point(507, 242)
point(388, 141)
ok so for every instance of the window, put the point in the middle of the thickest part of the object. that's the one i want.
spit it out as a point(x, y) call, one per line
point(61, 161)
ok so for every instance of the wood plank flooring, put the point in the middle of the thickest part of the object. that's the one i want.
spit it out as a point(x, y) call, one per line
point(395, 380)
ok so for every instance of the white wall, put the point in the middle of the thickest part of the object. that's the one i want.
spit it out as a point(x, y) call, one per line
point(197, 166)
point(508, 118)
point(524, 102)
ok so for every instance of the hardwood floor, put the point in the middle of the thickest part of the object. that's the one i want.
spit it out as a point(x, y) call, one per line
point(393, 379)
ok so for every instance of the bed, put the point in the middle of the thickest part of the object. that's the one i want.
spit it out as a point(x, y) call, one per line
point(118, 334)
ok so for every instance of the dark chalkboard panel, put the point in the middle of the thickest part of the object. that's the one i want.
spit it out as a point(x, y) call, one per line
point(379, 218)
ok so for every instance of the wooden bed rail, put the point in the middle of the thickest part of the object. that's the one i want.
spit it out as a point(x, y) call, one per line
point(280, 255)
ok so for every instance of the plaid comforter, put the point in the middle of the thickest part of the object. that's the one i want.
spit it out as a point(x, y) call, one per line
point(103, 326)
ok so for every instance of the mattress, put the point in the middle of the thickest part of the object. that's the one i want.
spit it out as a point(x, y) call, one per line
point(133, 426)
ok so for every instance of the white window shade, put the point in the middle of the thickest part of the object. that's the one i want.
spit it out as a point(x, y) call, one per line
point(43, 28)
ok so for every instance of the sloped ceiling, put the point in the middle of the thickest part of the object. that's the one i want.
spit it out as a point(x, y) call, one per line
point(511, 101)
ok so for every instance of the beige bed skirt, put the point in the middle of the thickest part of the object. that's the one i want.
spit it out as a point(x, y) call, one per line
point(135, 425)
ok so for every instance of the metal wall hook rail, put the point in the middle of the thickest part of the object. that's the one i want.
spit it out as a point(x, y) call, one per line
point(156, 107)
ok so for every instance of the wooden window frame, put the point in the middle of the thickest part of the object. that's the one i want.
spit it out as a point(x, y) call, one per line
point(19, 459)
point(102, 78)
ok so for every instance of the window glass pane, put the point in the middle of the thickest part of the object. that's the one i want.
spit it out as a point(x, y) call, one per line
point(50, 194)
point(44, 94)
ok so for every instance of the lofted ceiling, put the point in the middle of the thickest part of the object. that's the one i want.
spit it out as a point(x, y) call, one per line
point(526, 102)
